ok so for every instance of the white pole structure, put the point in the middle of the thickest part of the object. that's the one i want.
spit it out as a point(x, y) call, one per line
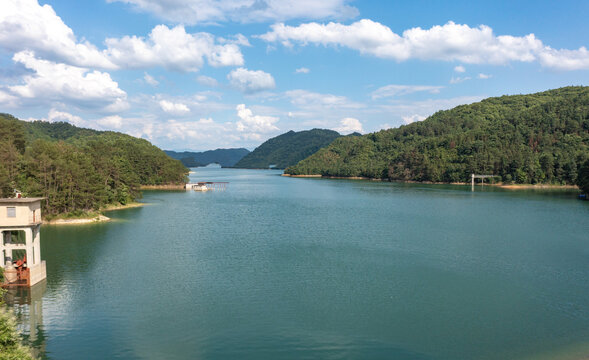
point(482, 177)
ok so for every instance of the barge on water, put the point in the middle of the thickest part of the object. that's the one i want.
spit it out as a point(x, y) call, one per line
point(207, 186)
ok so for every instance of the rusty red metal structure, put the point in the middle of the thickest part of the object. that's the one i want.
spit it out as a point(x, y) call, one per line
point(19, 277)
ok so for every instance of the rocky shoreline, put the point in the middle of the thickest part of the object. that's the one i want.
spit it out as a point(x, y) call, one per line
point(501, 185)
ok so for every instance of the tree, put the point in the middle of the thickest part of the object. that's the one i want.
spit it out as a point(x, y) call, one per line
point(78, 170)
point(583, 178)
point(537, 138)
point(6, 188)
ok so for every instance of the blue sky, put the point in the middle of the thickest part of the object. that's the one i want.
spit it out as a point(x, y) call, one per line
point(204, 74)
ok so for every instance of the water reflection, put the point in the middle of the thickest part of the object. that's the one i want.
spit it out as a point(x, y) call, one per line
point(27, 304)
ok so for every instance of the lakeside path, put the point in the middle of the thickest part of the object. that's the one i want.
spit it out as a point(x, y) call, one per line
point(93, 219)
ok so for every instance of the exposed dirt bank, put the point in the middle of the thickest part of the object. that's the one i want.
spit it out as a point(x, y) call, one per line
point(163, 187)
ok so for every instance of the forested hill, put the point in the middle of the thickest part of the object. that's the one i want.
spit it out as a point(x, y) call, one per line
point(537, 138)
point(79, 169)
point(223, 157)
point(55, 131)
point(287, 149)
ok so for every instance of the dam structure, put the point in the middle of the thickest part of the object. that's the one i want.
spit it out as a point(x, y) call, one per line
point(20, 242)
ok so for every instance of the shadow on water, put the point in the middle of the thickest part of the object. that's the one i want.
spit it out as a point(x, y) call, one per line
point(70, 250)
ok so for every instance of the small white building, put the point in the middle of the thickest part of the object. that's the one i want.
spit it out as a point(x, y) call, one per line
point(20, 241)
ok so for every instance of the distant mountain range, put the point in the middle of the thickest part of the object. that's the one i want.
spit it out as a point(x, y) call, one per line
point(223, 157)
point(287, 149)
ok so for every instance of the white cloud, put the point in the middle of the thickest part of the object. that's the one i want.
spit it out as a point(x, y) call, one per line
point(565, 59)
point(8, 100)
point(197, 105)
point(204, 133)
point(449, 42)
point(199, 97)
point(110, 122)
point(56, 115)
point(250, 81)
point(458, 79)
point(207, 81)
point(60, 82)
point(238, 39)
point(406, 110)
point(313, 100)
point(484, 76)
point(320, 110)
point(349, 125)
point(25, 25)
point(150, 79)
point(302, 70)
point(174, 108)
point(459, 69)
point(399, 90)
point(118, 105)
point(198, 135)
point(105, 123)
point(202, 129)
point(173, 49)
point(375, 116)
point(252, 125)
point(413, 118)
point(244, 11)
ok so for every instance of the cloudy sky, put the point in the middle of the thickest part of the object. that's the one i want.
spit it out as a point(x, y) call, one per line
point(206, 74)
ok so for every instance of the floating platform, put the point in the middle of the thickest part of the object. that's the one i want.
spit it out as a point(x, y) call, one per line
point(207, 186)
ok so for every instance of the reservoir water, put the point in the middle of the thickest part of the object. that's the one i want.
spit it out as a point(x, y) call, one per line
point(285, 268)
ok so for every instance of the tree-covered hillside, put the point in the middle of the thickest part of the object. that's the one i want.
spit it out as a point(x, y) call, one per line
point(583, 178)
point(223, 157)
point(287, 149)
point(54, 131)
point(78, 169)
point(537, 138)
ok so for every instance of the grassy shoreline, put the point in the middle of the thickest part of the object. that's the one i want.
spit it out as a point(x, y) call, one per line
point(130, 205)
point(90, 217)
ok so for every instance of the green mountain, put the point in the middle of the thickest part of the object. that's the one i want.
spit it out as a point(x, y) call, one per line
point(223, 157)
point(583, 178)
point(287, 149)
point(79, 169)
point(537, 138)
point(55, 131)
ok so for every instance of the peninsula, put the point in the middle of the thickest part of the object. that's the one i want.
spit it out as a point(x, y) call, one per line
point(79, 172)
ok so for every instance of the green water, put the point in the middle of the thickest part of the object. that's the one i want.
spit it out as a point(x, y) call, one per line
point(284, 268)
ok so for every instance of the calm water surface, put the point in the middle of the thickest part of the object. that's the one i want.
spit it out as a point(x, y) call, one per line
point(281, 268)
